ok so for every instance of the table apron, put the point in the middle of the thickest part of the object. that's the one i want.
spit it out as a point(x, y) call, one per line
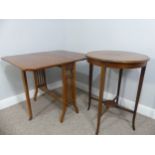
point(117, 65)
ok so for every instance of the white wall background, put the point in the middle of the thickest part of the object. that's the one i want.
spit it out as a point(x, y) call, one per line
point(128, 35)
point(22, 36)
point(26, 36)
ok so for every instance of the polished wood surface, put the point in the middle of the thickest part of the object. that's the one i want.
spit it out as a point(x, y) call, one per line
point(118, 57)
point(37, 61)
point(120, 60)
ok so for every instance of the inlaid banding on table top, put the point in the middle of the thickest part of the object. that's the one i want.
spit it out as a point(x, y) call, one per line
point(118, 57)
point(41, 60)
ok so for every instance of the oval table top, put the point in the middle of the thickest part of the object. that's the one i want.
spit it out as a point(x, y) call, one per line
point(118, 58)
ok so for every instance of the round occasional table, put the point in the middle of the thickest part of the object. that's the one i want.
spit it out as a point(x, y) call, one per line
point(120, 60)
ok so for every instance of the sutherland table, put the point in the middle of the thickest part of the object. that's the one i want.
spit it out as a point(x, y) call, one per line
point(120, 60)
point(37, 63)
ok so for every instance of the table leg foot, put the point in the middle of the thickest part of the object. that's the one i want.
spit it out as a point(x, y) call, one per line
point(62, 115)
point(76, 109)
point(133, 126)
point(30, 118)
point(98, 124)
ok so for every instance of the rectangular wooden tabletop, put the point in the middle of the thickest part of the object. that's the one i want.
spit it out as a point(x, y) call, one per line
point(41, 60)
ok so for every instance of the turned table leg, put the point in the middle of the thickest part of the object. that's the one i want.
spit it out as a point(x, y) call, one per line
point(101, 94)
point(138, 95)
point(90, 84)
point(28, 102)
